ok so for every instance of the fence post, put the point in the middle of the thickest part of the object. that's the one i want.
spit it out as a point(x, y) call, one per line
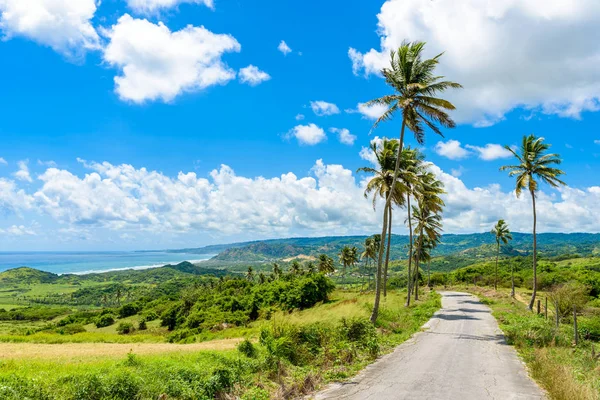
point(538, 306)
point(575, 325)
point(546, 308)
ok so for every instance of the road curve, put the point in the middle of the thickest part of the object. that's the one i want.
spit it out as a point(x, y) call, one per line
point(462, 355)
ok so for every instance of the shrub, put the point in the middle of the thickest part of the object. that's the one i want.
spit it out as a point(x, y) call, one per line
point(247, 348)
point(71, 329)
point(104, 320)
point(142, 325)
point(256, 394)
point(220, 382)
point(129, 310)
point(150, 315)
point(125, 328)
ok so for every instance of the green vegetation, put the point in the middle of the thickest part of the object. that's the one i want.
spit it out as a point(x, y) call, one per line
point(291, 354)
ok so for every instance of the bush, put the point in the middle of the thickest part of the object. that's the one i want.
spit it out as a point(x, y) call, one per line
point(125, 328)
point(247, 348)
point(104, 320)
point(256, 394)
point(220, 382)
point(71, 329)
point(129, 310)
point(142, 325)
point(150, 316)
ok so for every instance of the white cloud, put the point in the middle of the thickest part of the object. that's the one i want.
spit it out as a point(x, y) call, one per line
point(369, 112)
point(457, 172)
point(451, 149)
point(3, 161)
point(329, 200)
point(322, 108)
point(308, 135)
point(367, 154)
point(23, 173)
point(63, 25)
point(152, 6)
point(597, 141)
point(253, 76)
point(299, 117)
point(490, 151)
point(344, 136)
point(156, 63)
point(284, 48)
point(504, 52)
point(17, 230)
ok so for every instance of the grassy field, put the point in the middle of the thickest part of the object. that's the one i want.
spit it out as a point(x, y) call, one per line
point(306, 349)
point(566, 371)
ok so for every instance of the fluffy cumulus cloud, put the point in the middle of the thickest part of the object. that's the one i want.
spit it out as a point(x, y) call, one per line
point(23, 172)
point(253, 76)
point(344, 136)
point(369, 112)
point(121, 197)
point(153, 6)
point(322, 108)
point(451, 149)
point(63, 25)
point(157, 64)
point(506, 53)
point(309, 135)
point(490, 151)
point(328, 200)
point(284, 48)
point(3, 161)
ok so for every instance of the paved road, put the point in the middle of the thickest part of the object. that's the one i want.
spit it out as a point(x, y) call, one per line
point(461, 356)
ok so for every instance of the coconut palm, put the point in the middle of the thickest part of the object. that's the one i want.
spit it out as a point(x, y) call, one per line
point(534, 165)
point(296, 268)
point(502, 234)
point(325, 264)
point(369, 253)
point(310, 267)
point(428, 224)
point(381, 185)
point(250, 274)
point(348, 256)
point(427, 191)
point(277, 271)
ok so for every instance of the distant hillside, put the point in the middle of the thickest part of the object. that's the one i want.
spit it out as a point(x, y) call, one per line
point(477, 245)
point(26, 275)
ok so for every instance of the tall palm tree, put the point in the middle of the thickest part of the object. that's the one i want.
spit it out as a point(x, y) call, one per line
point(383, 184)
point(325, 264)
point(250, 274)
point(428, 224)
point(277, 271)
point(502, 234)
point(427, 191)
point(348, 256)
point(368, 254)
point(534, 164)
point(296, 268)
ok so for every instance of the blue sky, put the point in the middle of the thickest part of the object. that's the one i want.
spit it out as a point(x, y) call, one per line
point(179, 106)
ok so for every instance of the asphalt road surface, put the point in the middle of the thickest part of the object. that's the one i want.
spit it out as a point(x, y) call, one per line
point(462, 355)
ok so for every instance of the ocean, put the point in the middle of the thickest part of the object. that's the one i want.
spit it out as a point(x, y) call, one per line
point(88, 262)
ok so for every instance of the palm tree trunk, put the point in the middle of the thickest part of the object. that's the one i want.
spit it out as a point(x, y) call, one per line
point(375, 312)
point(512, 280)
point(534, 253)
point(387, 251)
point(410, 250)
point(429, 271)
point(496, 269)
point(417, 262)
point(397, 168)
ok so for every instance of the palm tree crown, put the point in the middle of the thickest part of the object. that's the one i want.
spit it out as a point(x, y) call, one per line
point(501, 231)
point(534, 164)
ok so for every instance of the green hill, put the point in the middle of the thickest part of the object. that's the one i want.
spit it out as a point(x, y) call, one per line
point(26, 275)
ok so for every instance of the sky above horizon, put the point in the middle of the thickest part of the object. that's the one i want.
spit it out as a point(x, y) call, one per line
point(152, 124)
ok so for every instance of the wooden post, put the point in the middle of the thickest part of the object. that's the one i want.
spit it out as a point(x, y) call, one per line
point(546, 309)
point(575, 325)
point(538, 306)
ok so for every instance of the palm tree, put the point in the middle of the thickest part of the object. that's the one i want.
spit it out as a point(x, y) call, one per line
point(368, 254)
point(348, 256)
point(250, 274)
point(310, 267)
point(427, 191)
point(534, 164)
point(326, 264)
point(296, 268)
point(429, 224)
point(381, 186)
point(277, 272)
point(502, 234)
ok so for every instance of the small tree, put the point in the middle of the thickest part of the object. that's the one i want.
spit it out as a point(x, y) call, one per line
point(568, 297)
point(502, 234)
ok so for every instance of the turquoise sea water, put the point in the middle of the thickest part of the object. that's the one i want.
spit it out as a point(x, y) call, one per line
point(85, 262)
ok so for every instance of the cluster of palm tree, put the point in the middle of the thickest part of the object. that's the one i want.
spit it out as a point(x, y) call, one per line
point(348, 257)
point(402, 173)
